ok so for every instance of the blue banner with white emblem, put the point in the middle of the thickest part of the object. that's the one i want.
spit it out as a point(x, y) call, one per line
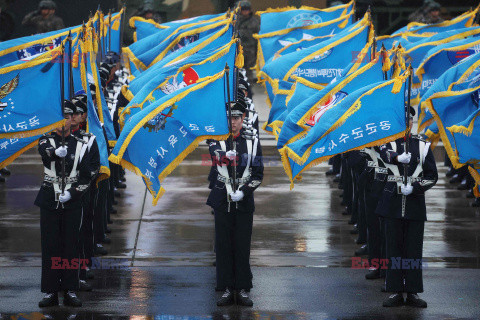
point(30, 98)
point(160, 136)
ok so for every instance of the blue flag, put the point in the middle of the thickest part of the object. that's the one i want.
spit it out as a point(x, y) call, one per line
point(310, 108)
point(30, 97)
point(113, 32)
point(178, 75)
point(466, 135)
point(291, 17)
point(440, 59)
point(154, 48)
point(159, 137)
point(370, 116)
point(450, 108)
point(325, 61)
point(462, 21)
point(463, 75)
point(279, 105)
point(144, 27)
point(27, 48)
point(11, 149)
point(272, 42)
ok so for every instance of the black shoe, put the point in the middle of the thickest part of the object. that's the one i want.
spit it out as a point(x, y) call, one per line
point(383, 289)
point(330, 172)
point(89, 273)
point(351, 222)
point(470, 195)
point(354, 230)
point(5, 172)
point(360, 240)
point(2, 179)
point(100, 250)
point(106, 240)
point(122, 179)
point(336, 179)
point(394, 300)
point(71, 299)
point(450, 172)
point(226, 299)
point(341, 195)
point(84, 286)
point(113, 211)
point(362, 251)
point(373, 274)
point(108, 230)
point(476, 203)
point(344, 203)
point(121, 186)
point(50, 300)
point(463, 186)
point(117, 194)
point(243, 299)
point(455, 179)
point(414, 301)
point(345, 212)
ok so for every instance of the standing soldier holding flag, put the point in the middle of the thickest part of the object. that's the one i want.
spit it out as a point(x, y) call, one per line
point(234, 205)
point(61, 212)
point(402, 205)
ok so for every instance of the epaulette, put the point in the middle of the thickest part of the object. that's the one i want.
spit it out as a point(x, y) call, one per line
point(79, 139)
point(419, 137)
point(84, 133)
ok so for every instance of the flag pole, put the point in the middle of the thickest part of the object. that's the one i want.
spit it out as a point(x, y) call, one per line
point(407, 136)
point(70, 67)
point(122, 29)
point(109, 29)
point(384, 60)
point(234, 169)
point(62, 98)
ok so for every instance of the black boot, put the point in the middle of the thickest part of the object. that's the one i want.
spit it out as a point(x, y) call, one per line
point(106, 240)
point(2, 179)
point(373, 274)
point(5, 172)
point(362, 251)
point(414, 301)
point(99, 250)
point(84, 286)
point(394, 300)
point(243, 299)
point(50, 300)
point(89, 273)
point(226, 299)
point(71, 299)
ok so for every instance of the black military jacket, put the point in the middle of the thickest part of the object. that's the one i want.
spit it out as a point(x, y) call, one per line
point(218, 194)
point(390, 204)
point(46, 195)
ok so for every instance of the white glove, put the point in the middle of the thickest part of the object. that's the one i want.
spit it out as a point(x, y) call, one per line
point(61, 152)
point(406, 189)
point(237, 196)
point(64, 197)
point(404, 157)
point(231, 155)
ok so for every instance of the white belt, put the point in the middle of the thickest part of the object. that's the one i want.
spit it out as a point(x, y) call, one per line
point(51, 179)
point(242, 180)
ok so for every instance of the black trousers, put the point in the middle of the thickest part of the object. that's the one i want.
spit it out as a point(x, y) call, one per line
point(374, 236)
point(404, 245)
point(86, 233)
point(100, 214)
point(233, 234)
point(60, 231)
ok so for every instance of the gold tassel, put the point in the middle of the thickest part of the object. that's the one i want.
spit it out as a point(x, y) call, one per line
point(75, 58)
point(239, 60)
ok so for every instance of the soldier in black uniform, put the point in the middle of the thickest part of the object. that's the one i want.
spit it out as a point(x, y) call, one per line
point(61, 211)
point(87, 243)
point(234, 208)
point(404, 211)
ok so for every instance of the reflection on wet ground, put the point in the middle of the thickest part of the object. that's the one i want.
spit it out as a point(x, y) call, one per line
point(160, 259)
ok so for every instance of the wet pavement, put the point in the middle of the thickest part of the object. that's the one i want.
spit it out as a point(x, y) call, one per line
point(159, 264)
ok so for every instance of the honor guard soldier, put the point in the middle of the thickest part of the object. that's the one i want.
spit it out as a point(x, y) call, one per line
point(60, 205)
point(79, 121)
point(403, 208)
point(234, 208)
